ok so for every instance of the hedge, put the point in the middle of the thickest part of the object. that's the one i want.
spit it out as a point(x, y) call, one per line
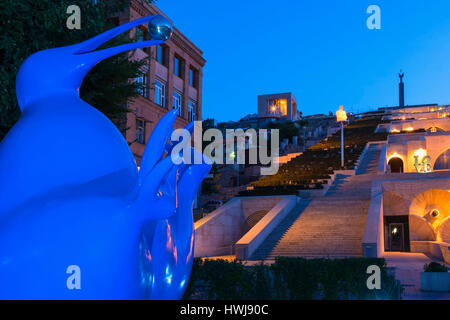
point(289, 279)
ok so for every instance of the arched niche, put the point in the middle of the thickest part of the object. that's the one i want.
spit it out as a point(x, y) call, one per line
point(396, 165)
point(443, 161)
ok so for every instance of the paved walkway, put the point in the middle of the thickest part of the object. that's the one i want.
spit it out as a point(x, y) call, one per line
point(369, 162)
point(408, 267)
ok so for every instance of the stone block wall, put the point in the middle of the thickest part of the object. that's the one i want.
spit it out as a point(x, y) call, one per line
point(217, 233)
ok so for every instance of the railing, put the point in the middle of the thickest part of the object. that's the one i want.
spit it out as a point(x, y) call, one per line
point(373, 238)
point(245, 247)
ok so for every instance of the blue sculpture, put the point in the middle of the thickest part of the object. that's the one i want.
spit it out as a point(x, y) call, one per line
point(71, 193)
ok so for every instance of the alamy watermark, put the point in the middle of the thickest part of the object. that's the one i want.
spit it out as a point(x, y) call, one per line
point(374, 20)
point(74, 20)
point(238, 146)
point(374, 280)
point(74, 280)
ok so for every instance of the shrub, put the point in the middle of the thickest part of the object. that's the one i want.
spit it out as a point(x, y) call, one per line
point(289, 279)
point(434, 267)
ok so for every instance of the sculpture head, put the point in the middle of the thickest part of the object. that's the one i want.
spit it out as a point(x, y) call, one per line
point(62, 70)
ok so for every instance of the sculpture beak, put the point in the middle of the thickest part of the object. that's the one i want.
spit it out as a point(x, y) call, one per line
point(87, 48)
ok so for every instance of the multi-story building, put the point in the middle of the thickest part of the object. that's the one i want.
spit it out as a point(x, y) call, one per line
point(280, 105)
point(172, 79)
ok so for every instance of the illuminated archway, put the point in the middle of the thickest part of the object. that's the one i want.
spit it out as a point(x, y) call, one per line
point(443, 161)
point(396, 164)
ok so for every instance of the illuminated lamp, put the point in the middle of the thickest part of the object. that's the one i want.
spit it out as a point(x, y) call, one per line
point(341, 116)
point(409, 129)
point(422, 162)
point(420, 153)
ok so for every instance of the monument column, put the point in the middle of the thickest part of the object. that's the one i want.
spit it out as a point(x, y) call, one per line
point(401, 90)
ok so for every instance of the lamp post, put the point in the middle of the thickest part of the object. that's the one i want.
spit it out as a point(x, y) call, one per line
point(341, 116)
point(236, 166)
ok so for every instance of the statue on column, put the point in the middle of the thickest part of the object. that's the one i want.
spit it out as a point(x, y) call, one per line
point(401, 75)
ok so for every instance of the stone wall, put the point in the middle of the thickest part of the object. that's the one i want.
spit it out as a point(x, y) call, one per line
point(394, 196)
point(248, 244)
point(405, 147)
point(217, 233)
point(442, 123)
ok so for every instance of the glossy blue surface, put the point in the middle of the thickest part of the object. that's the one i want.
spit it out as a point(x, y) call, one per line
point(71, 193)
point(160, 28)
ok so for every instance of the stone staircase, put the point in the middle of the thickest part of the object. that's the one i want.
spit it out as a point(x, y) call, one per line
point(369, 161)
point(328, 226)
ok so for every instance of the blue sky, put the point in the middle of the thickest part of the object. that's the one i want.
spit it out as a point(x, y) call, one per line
point(320, 50)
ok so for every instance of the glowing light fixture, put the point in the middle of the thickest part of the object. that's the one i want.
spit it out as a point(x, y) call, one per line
point(422, 162)
point(409, 129)
point(341, 116)
point(420, 153)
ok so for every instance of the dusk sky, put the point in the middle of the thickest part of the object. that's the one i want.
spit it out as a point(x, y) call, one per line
point(322, 51)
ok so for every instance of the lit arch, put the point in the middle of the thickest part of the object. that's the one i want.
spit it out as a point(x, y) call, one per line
point(397, 164)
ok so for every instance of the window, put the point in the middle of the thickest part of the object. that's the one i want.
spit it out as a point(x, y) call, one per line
point(160, 54)
point(177, 103)
point(277, 106)
point(192, 111)
point(177, 67)
point(139, 34)
point(160, 93)
point(140, 131)
point(192, 78)
point(142, 80)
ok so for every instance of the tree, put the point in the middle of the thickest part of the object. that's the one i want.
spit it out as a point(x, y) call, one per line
point(28, 26)
point(211, 185)
point(287, 129)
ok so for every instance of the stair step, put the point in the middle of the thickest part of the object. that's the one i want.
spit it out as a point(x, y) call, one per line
point(329, 226)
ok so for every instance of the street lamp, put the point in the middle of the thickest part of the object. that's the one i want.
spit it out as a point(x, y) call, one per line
point(236, 166)
point(341, 116)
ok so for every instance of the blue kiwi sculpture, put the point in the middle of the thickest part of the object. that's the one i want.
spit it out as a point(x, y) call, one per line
point(72, 195)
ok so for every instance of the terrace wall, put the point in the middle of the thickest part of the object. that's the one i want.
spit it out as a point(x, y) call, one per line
point(217, 233)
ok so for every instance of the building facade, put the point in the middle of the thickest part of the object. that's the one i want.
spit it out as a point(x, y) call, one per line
point(173, 79)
